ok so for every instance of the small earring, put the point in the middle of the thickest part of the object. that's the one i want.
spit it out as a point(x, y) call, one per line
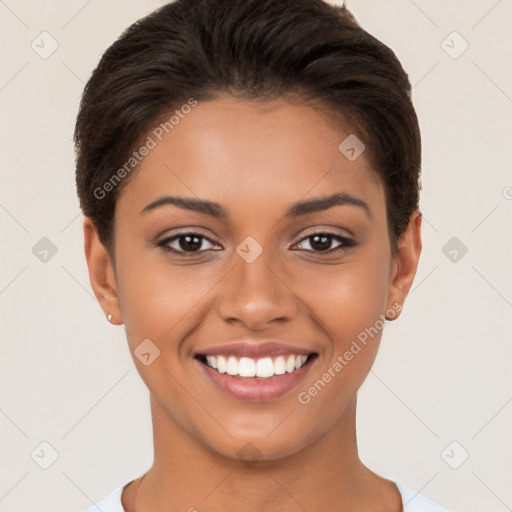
point(109, 317)
point(396, 307)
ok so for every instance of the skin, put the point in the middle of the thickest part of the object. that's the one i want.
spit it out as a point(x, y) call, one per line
point(256, 161)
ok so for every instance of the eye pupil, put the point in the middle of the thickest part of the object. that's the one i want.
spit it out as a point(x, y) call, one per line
point(320, 242)
point(190, 245)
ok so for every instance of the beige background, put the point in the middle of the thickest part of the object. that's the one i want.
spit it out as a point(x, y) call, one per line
point(443, 371)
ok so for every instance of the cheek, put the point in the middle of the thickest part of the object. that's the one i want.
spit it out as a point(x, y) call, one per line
point(163, 304)
point(349, 303)
point(349, 297)
point(351, 310)
point(156, 297)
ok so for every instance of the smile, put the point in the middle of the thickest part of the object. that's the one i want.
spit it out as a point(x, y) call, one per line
point(255, 379)
point(265, 367)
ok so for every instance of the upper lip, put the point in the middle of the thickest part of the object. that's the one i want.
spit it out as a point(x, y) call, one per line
point(255, 349)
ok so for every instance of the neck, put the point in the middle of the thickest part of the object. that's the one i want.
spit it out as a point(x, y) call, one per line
point(327, 474)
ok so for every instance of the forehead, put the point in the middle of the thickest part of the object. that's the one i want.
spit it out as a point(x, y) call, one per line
point(256, 153)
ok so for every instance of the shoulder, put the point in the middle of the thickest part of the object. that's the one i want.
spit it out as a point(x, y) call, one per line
point(110, 503)
point(413, 501)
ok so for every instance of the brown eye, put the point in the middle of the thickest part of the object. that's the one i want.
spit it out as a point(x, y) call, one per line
point(184, 243)
point(190, 242)
point(323, 242)
point(320, 242)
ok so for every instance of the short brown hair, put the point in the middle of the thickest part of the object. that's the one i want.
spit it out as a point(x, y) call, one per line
point(254, 49)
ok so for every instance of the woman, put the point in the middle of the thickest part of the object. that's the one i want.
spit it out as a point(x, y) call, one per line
point(249, 176)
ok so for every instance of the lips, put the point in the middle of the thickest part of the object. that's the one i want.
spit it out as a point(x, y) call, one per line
point(253, 371)
point(255, 350)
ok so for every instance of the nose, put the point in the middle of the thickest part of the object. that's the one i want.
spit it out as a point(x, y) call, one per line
point(257, 294)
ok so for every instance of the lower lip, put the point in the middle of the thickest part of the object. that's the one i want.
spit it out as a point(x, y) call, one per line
point(254, 389)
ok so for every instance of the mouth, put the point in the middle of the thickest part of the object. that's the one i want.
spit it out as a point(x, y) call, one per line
point(255, 379)
point(260, 368)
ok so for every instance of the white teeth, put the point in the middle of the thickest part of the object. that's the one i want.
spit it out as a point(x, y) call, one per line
point(290, 364)
point(264, 367)
point(232, 368)
point(246, 367)
point(221, 364)
point(279, 366)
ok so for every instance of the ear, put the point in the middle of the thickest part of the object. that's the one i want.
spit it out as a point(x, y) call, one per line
point(101, 272)
point(405, 264)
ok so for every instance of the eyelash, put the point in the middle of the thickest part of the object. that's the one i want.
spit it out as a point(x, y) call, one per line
point(346, 243)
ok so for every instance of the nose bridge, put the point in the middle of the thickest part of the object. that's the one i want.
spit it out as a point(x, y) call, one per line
point(254, 292)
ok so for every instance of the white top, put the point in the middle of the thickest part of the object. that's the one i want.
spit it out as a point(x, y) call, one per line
point(412, 501)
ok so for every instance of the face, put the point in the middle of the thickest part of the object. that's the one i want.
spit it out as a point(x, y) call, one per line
point(276, 269)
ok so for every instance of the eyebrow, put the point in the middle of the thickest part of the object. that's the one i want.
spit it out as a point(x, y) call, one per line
point(324, 203)
point(301, 208)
